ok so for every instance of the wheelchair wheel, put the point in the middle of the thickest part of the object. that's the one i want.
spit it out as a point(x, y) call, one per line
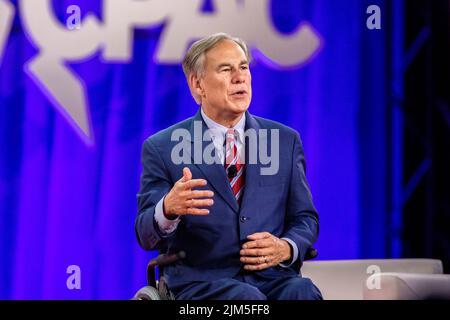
point(164, 291)
point(147, 293)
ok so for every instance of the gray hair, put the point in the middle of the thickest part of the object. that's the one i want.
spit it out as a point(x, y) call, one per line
point(194, 61)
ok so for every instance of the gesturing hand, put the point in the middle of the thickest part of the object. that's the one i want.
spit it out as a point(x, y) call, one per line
point(264, 250)
point(182, 200)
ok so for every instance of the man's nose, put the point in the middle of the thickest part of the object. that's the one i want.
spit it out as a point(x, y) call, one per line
point(238, 77)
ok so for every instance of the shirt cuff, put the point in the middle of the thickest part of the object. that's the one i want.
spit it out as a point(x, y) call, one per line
point(294, 257)
point(166, 226)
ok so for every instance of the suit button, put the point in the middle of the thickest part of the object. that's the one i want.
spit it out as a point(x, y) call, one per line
point(243, 219)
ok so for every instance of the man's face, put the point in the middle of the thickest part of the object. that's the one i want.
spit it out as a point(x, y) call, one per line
point(225, 85)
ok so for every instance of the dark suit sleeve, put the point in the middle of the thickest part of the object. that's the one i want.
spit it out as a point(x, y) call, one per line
point(302, 221)
point(155, 184)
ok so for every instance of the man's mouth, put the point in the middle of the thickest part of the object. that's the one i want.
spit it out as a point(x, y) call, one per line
point(240, 93)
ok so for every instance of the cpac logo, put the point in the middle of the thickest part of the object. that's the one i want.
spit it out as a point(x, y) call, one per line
point(113, 37)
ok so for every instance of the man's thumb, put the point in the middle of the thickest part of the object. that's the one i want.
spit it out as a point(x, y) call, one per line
point(187, 174)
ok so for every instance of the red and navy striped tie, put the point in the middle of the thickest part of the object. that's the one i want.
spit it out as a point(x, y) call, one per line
point(232, 158)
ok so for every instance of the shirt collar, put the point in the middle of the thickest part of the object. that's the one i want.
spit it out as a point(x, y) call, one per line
point(219, 131)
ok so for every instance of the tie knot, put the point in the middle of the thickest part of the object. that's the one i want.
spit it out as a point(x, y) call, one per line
point(231, 133)
point(230, 137)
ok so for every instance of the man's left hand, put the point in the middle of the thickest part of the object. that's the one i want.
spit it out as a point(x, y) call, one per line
point(264, 250)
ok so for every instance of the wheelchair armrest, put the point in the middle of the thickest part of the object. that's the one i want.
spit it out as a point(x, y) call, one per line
point(311, 253)
point(160, 261)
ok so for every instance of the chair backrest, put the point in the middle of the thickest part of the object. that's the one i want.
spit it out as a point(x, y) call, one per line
point(345, 279)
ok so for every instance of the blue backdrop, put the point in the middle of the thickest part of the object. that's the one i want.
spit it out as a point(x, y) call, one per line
point(64, 203)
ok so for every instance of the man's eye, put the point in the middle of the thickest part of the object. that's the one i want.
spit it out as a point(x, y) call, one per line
point(244, 67)
point(226, 69)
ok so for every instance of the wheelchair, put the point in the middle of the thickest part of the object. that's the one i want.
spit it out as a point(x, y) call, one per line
point(158, 289)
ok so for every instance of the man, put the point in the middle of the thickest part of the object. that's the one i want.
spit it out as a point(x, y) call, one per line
point(245, 233)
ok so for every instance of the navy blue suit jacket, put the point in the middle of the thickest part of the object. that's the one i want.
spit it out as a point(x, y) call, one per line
point(280, 204)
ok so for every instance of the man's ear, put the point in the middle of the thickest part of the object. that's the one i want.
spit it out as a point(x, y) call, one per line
point(196, 86)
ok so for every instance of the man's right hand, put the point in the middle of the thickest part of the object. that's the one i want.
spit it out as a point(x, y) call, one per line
point(182, 200)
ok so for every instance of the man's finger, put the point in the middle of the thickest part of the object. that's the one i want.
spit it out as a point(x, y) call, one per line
point(256, 260)
point(197, 212)
point(187, 174)
point(200, 203)
point(259, 235)
point(200, 194)
point(256, 252)
point(262, 243)
point(195, 183)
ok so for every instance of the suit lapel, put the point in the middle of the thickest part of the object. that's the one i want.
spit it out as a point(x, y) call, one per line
point(214, 173)
point(252, 170)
